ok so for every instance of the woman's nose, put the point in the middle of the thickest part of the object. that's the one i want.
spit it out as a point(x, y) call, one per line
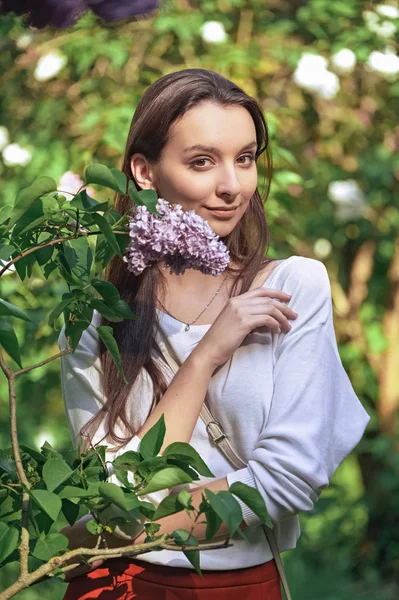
point(228, 182)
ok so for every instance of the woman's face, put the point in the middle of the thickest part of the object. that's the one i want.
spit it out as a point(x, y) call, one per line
point(207, 163)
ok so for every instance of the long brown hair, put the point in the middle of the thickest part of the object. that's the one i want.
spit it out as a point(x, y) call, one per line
point(165, 101)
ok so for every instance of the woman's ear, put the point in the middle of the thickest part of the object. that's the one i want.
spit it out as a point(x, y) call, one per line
point(142, 172)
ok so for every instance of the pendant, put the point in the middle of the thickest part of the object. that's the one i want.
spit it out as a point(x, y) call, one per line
point(187, 327)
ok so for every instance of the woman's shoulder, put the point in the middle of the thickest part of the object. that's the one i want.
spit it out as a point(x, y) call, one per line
point(295, 270)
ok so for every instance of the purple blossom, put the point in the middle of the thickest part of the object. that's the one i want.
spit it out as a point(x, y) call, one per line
point(64, 13)
point(182, 239)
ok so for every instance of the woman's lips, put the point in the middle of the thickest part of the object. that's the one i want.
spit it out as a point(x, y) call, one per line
point(222, 214)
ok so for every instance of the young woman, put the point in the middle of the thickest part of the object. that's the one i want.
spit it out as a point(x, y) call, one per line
point(258, 340)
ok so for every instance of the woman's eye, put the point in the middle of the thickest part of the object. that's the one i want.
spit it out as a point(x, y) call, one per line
point(251, 158)
point(199, 162)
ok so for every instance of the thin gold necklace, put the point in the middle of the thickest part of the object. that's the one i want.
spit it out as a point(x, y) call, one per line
point(187, 327)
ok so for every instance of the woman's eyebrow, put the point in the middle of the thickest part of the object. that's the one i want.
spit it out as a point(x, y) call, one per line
point(203, 148)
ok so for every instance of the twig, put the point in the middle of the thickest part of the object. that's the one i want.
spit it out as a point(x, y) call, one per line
point(24, 545)
point(101, 554)
point(52, 243)
point(43, 362)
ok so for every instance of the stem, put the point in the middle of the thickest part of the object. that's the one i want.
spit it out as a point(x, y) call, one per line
point(101, 554)
point(24, 545)
point(43, 362)
point(52, 243)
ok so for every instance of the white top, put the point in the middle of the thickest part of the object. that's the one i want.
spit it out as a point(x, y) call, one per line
point(284, 401)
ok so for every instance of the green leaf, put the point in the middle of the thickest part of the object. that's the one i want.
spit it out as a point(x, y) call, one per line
point(6, 463)
point(6, 251)
point(102, 175)
point(5, 212)
point(253, 499)
point(109, 235)
point(42, 185)
point(179, 449)
point(112, 492)
point(49, 546)
point(184, 465)
point(166, 478)
point(69, 491)
point(78, 256)
point(122, 309)
point(49, 268)
point(83, 201)
point(147, 509)
point(227, 508)
point(105, 310)
point(183, 537)
point(168, 506)
point(43, 255)
point(122, 476)
point(120, 179)
point(9, 537)
point(9, 340)
point(24, 266)
point(66, 299)
point(55, 471)
point(150, 199)
point(93, 527)
point(147, 198)
point(7, 309)
point(129, 460)
point(49, 502)
point(152, 441)
point(70, 510)
point(40, 210)
point(213, 523)
point(99, 207)
point(74, 331)
point(185, 498)
point(106, 289)
point(107, 337)
point(134, 194)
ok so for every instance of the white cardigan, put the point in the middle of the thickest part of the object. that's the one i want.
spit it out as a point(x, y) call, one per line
point(284, 401)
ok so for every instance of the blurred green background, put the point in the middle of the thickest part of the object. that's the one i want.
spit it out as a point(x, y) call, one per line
point(326, 75)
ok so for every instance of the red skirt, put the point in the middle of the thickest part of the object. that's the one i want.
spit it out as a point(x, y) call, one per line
point(121, 579)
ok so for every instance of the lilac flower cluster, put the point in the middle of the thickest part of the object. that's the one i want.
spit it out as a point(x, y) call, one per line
point(64, 13)
point(181, 239)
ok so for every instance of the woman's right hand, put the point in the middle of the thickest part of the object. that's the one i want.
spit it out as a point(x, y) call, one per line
point(242, 314)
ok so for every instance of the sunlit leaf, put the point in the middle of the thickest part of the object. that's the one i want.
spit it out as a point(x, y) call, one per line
point(9, 340)
point(49, 502)
point(9, 536)
point(227, 508)
point(253, 499)
point(152, 441)
point(55, 471)
point(41, 186)
point(166, 478)
point(7, 309)
point(105, 333)
point(50, 545)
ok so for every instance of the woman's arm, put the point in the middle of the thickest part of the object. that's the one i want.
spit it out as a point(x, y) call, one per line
point(181, 403)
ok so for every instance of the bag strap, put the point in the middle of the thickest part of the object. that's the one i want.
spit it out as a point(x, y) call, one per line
point(219, 438)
